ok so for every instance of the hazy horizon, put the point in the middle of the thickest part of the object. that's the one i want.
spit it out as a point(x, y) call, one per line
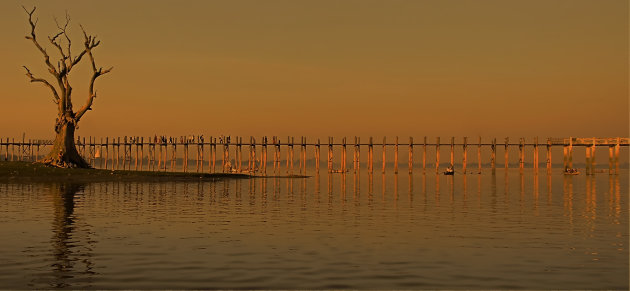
point(330, 68)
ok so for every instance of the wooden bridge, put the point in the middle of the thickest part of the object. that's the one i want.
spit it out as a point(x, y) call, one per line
point(162, 152)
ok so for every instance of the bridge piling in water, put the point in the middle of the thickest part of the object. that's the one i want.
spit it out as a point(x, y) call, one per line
point(96, 151)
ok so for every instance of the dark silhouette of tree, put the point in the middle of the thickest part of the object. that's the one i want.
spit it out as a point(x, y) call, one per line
point(64, 152)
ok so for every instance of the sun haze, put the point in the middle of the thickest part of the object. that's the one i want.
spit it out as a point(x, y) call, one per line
point(331, 68)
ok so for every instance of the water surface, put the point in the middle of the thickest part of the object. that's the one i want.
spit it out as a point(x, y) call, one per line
point(361, 231)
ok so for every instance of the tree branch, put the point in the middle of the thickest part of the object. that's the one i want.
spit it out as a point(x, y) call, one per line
point(32, 37)
point(43, 81)
point(90, 43)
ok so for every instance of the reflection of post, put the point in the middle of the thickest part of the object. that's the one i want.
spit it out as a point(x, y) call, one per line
point(383, 186)
point(263, 191)
point(451, 187)
point(493, 158)
point(396, 187)
point(410, 194)
point(479, 155)
point(343, 186)
point(424, 187)
point(437, 189)
point(370, 185)
point(536, 188)
point(549, 194)
point(317, 186)
point(464, 186)
point(479, 188)
point(356, 185)
point(330, 181)
point(568, 197)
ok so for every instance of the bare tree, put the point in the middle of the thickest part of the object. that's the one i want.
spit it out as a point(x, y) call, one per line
point(64, 152)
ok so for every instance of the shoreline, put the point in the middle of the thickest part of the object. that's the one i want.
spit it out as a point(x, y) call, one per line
point(34, 172)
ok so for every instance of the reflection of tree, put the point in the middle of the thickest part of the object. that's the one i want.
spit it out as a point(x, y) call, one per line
point(71, 250)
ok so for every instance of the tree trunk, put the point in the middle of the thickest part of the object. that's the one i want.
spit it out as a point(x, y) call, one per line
point(64, 153)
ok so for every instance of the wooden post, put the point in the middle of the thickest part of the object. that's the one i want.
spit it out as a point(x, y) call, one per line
point(303, 152)
point(437, 155)
point(226, 154)
point(174, 155)
point(160, 146)
point(548, 155)
point(142, 153)
point(571, 152)
point(565, 154)
point(424, 155)
point(396, 156)
point(410, 155)
point(479, 155)
point(593, 162)
point(317, 156)
point(250, 165)
point(291, 152)
point(253, 155)
point(521, 155)
point(343, 155)
point(275, 154)
point(507, 143)
point(358, 145)
point(493, 158)
point(135, 141)
point(384, 152)
point(464, 154)
point(588, 170)
point(356, 155)
point(330, 154)
point(264, 155)
point(452, 152)
point(106, 151)
point(118, 154)
point(371, 156)
point(536, 154)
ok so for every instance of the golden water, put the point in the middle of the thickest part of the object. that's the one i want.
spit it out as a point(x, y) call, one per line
point(329, 231)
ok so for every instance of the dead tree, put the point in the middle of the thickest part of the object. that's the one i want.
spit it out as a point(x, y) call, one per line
point(64, 152)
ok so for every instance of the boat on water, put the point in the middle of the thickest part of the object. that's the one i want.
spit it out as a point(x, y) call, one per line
point(449, 171)
point(571, 171)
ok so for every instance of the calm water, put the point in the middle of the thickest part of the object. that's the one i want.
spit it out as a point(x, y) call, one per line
point(333, 231)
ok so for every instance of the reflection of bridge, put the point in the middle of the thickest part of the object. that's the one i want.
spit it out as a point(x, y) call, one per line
point(162, 152)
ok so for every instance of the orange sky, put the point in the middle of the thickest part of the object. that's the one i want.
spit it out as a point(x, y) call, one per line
point(319, 68)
